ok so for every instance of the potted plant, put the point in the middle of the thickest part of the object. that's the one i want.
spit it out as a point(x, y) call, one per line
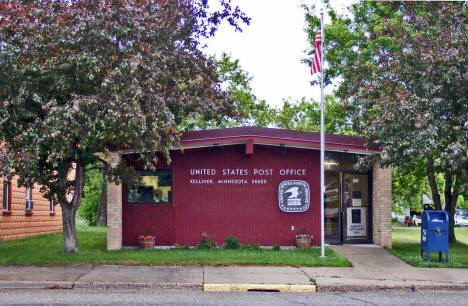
point(146, 242)
point(303, 241)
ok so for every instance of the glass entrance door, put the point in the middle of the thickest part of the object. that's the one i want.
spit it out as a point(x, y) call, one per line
point(332, 208)
point(355, 207)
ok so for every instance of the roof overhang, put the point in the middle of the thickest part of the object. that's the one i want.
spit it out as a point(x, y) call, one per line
point(287, 143)
point(270, 137)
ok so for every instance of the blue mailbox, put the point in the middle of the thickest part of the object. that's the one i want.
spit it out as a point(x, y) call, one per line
point(434, 233)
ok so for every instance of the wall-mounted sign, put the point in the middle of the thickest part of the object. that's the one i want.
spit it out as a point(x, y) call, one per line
point(294, 196)
point(356, 221)
point(239, 176)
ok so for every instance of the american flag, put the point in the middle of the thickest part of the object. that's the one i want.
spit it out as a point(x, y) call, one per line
point(318, 54)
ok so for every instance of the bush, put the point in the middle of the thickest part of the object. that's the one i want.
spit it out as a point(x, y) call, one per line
point(276, 247)
point(175, 246)
point(253, 246)
point(231, 243)
point(205, 244)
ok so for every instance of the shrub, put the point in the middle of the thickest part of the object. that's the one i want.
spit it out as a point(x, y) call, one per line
point(205, 244)
point(180, 247)
point(253, 246)
point(276, 247)
point(231, 243)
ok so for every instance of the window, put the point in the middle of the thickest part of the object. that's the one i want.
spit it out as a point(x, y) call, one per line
point(156, 188)
point(51, 207)
point(28, 193)
point(6, 207)
point(29, 202)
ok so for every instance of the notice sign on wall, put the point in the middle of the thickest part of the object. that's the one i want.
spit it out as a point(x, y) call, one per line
point(294, 196)
point(356, 221)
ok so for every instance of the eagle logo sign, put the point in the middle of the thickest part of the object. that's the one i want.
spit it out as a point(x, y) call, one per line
point(294, 191)
point(293, 199)
point(294, 196)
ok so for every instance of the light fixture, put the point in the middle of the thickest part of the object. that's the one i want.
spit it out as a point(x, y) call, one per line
point(281, 149)
point(217, 147)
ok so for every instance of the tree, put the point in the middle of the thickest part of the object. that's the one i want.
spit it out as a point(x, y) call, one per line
point(408, 188)
point(92, 192)
point(101, 214)
point(305, 116)
point(405, 79)
point(252, 111)
point(80, 78)
point(346, 39)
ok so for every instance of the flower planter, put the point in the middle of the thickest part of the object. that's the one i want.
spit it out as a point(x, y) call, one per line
point(146, 244)
point(303, 243)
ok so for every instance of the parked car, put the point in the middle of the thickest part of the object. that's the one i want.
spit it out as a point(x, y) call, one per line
point(417, 220)
point(408, 221)
point(461, 217)
point(400, 219)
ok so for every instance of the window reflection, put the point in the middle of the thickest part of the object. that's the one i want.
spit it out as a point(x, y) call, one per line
point(156, 188)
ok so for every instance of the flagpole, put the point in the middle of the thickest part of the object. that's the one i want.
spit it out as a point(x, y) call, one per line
point(322, 142)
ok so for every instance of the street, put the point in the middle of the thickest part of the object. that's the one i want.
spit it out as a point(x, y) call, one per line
point(195, 297)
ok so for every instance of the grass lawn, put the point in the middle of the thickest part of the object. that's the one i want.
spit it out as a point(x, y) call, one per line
point(48, 250)
point(406, 245)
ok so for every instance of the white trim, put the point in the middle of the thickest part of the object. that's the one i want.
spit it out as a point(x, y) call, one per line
point(269, 143)
point(27, 195)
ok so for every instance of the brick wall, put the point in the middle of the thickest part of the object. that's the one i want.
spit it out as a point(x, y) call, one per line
point(16, 223)
point(382, 206)
point(114, 209)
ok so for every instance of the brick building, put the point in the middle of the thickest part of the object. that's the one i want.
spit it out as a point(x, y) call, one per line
point(258, 184)
point(25, 212)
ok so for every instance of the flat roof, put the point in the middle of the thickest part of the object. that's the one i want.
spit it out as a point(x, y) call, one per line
point(273, 136)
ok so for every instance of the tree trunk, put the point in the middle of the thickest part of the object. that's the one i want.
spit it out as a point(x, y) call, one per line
point(102, 210)
point(433, 185)
point(464, 171)
point(70, 242)
point(451, 197)
point(69, 213)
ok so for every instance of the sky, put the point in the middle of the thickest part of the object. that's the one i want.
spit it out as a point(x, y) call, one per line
point(270, 49)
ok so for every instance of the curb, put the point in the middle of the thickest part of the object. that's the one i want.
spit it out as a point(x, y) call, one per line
point(96, 285)
point(36, 285)
point(352, 287)
point(259, 287)
point(444, 287)
point(411, 287)
point(133, 285)
point(379, 287)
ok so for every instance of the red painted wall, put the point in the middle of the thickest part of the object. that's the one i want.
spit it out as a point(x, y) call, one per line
point(248, 211)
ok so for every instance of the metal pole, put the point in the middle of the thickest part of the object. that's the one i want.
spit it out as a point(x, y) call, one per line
point(322, 141)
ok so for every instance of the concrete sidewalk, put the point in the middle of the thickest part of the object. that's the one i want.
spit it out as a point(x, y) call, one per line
point(373, 269)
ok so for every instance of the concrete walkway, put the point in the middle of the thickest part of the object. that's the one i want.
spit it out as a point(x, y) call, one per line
point(373, 269)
